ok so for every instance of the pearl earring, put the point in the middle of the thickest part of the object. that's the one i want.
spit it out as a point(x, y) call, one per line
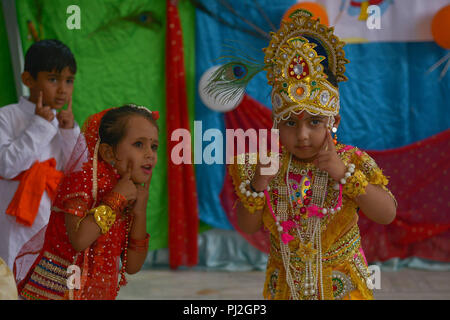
point(334, 130)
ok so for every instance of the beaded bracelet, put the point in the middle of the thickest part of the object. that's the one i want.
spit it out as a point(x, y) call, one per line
point(354, 182)
point(350, 171)
point(252, 200)
point(356, 185)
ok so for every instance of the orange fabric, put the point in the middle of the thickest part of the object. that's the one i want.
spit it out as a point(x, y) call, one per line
point(42, 176)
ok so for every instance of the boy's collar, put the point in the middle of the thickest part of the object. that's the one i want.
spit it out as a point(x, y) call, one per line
point(27, 105)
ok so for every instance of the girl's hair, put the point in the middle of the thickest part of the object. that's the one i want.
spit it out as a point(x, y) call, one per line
point(113, 125)
point(49, 55)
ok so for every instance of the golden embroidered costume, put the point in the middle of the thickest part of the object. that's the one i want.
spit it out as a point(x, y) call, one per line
point(315, 242)
point(344, 272)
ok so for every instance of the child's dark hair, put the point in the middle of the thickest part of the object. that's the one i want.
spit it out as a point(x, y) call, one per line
point(114, 123)
point(49, 55)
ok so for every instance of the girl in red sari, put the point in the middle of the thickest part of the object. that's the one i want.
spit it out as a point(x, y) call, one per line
point(97, 226)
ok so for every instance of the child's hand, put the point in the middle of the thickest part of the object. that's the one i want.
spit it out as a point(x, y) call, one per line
point(65, 117)
point(126, 187)
point(261, 179)
point(44, 111)
point(140, 206)
point(328, 160)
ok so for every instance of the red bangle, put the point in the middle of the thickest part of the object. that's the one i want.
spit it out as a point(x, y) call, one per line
point(115, 201)
point(138, 249)
point(139, 243)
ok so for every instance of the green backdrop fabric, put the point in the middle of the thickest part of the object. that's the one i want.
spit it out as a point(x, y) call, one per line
point(119, 62)
point(8, 89)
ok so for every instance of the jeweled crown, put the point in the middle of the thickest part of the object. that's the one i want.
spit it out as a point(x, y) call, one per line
point(295, 60)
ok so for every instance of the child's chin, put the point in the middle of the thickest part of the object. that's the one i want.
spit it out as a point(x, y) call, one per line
point(139, 180)
point(304, 156)
point(58, 107)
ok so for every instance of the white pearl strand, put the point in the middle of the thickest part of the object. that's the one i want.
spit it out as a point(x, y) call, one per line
point(243, 188)
point(313, 225)
point(285, 252)
point(312, 233)
point(348, 174)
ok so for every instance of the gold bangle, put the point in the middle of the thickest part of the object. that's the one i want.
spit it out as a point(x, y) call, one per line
point(355, 185)
point(104, 216)
point(252, 201)
point(252, 206)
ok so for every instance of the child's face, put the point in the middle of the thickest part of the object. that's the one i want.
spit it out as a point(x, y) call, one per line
point(138, 149)
point(304, 135)
point(57, 87)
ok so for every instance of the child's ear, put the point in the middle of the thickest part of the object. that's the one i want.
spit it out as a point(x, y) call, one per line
point(28, 79)
point(106, 152)
point(337, 120)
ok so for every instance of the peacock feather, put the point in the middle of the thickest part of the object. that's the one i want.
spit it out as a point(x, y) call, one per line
point(230, 80)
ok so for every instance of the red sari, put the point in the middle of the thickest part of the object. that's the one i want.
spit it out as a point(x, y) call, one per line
point(87, 180)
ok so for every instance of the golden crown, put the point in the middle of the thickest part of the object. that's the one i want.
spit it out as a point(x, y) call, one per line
point(296, 70)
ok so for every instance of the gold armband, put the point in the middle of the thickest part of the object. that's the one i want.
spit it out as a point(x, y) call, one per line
point(104, 216)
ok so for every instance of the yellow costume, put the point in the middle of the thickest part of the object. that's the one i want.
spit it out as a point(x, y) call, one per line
point(315, 242)
point(344, 273)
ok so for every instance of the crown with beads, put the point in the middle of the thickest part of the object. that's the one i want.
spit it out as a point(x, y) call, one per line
point(295, 61)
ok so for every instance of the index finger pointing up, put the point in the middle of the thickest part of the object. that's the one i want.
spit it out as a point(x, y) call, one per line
point(330, 142)
point(129, 169)
point(69, 105)
point(39, 101)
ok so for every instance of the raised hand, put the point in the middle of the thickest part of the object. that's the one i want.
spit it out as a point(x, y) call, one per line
point(44, 111)
point(140, 206)
point(328, 160)
point(262, 177)
point(65, 117)
point(126, 187)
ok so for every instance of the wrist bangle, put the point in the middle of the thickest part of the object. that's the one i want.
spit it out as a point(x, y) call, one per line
point(348, 174)
point(139, 245)
point(355, 185)
point(141, 242)
point(104, 216)
point(254, 190)
point(252, 200)
point(115, 201)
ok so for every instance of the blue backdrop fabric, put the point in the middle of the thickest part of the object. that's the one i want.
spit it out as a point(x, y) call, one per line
point(389, 100)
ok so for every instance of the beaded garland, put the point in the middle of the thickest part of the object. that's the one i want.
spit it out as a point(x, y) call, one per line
point(300, 258)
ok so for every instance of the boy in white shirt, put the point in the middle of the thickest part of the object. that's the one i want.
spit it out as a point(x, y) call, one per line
point(35, 143)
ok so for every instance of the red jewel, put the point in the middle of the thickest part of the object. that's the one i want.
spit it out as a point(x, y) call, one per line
point(307, 201)
point(309, 192)
point(303, 210)
point(297, 218)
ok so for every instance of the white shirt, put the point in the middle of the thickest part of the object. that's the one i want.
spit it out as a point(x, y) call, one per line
point(24, 139)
